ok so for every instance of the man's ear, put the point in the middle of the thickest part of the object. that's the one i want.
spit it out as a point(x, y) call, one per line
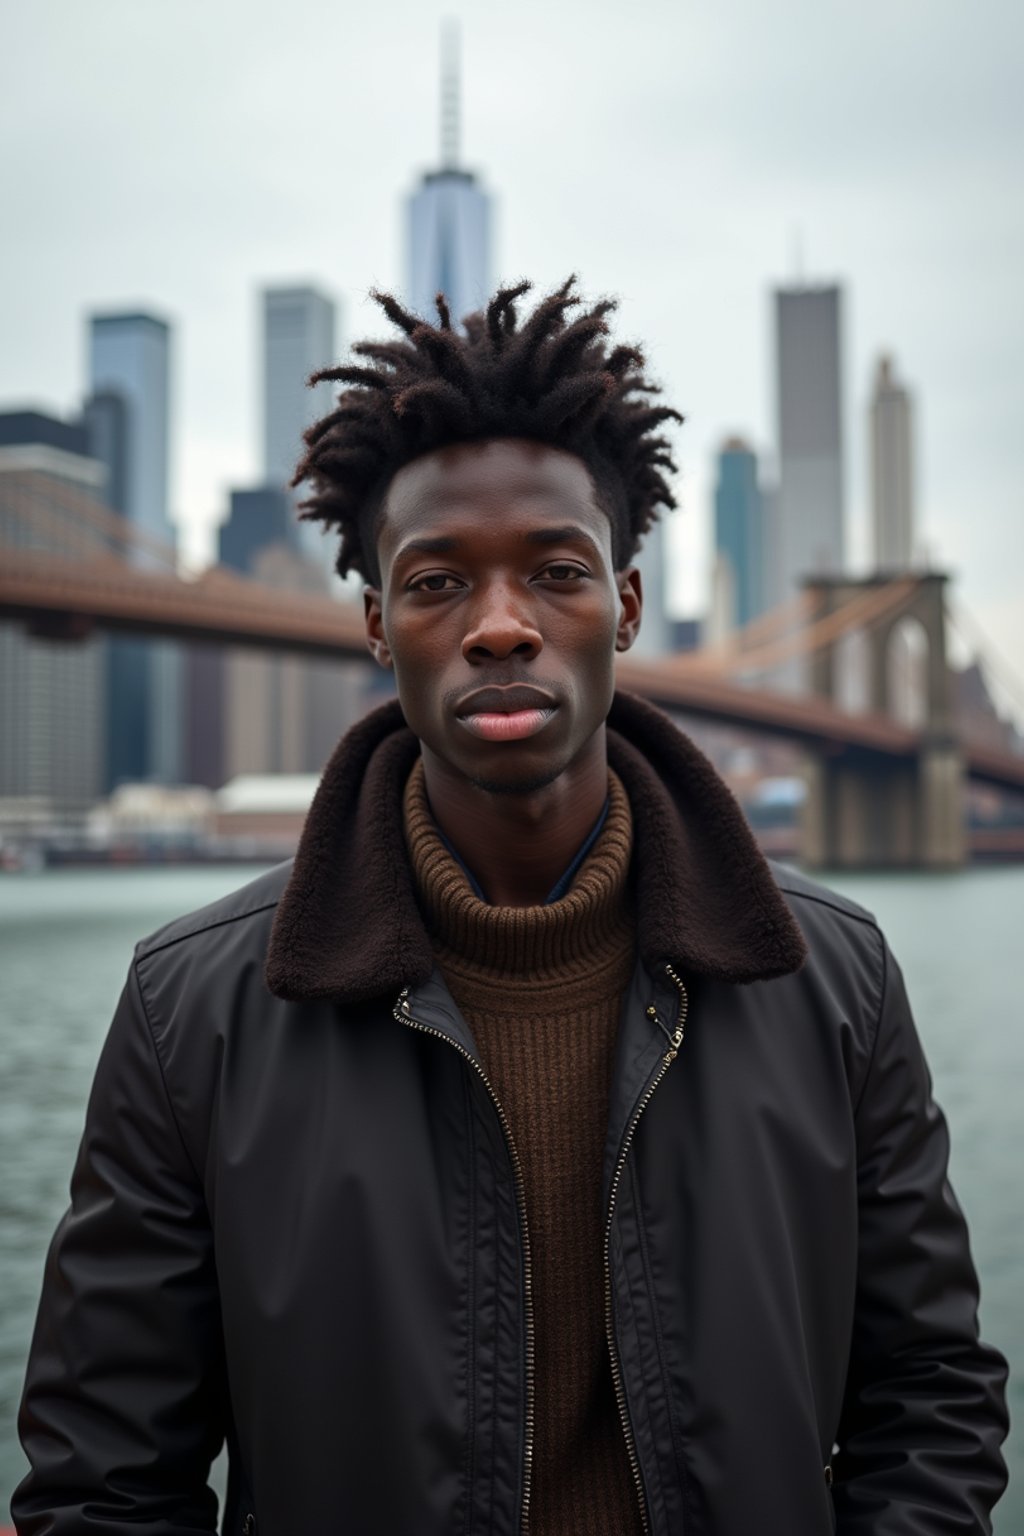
point(375, 637)
point(631, 597)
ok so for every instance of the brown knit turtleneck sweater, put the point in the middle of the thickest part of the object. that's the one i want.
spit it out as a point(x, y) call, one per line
point(541, 988)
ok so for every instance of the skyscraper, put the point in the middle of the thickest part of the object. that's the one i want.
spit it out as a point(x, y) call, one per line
point(892, 471)
point(129, 358)
point(810, 439)
point(448, 216)
point(129, 362)
point(739, 531)
point(298, 338)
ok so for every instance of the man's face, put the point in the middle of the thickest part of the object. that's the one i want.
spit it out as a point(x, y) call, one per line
point(500, 610)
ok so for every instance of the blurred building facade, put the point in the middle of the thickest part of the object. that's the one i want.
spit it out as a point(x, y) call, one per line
point(808, 378)
point(739, 534)
point(128, 415)
point(448, 216)
point(271, 714)
point(655, 637)
point(52, 694)
point(892, 470)
point(299, 335)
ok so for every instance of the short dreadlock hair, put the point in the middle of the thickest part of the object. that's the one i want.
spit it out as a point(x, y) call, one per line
point(550, 377)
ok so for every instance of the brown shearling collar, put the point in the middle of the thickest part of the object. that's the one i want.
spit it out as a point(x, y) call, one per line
point(348, 926)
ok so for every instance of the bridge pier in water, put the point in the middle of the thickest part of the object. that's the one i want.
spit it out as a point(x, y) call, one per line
point(863, 809)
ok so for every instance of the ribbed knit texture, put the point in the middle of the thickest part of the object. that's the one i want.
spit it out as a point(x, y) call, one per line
point(541, 989)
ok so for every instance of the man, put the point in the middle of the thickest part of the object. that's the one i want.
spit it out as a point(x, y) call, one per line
point(528, 1157)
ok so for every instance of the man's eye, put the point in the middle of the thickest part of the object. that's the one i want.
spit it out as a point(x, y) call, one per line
point(434, 581)
point(564, 572)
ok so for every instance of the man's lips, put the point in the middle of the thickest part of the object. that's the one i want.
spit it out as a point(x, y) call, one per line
point(514, 726)
point(506, 714)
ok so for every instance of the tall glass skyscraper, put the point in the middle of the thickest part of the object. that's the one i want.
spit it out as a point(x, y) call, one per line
point(739, 531)
point(129, 361)
point(298, 338)
point(129, 357)
point(448, 217)
point(810, 438)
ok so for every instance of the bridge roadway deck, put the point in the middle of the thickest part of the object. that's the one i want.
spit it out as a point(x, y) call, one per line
point(67, 599)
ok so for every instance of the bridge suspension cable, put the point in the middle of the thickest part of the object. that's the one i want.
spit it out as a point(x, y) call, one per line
point(991, 658)
point(726, 652)
point(860, 611)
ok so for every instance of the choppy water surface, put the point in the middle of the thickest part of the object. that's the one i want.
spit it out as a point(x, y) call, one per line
point(66, 940)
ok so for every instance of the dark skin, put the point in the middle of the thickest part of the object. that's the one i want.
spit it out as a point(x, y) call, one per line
point(500, 611)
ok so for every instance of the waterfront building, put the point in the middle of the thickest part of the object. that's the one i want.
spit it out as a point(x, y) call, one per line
point(203, 726)
point(128, 417)
point(448, 216)
point(808, 376)
point(739, 533)
point(892, 470)
point(52, 693)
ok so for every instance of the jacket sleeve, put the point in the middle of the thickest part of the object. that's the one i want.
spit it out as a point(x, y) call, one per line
point(122, 1410)
point(924, 1412)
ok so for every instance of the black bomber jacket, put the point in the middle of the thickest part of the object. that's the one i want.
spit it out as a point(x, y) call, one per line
point(296, 1221)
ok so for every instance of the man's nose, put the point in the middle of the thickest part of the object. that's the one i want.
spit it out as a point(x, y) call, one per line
point(501, 624)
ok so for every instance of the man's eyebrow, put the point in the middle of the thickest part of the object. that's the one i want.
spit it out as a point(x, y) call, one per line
point(443, 544)
point(566, 533)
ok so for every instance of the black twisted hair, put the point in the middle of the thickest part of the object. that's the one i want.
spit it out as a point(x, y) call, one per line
point(549, 377)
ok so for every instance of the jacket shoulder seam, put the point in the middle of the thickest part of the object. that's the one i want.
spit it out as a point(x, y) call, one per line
point(150, 947)
point(151, 1033)
point(864, 918)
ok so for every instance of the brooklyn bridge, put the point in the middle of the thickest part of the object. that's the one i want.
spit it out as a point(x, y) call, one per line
point(885, 783)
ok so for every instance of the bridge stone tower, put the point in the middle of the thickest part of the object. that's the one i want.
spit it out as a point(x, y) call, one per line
point(863, 810)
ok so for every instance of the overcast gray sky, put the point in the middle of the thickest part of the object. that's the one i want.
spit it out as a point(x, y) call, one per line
point(178, 154)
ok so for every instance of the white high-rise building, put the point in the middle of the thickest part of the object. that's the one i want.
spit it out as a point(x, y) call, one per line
point(448, 217)
point(129, 360)
point(892, 471)
point(810, 520)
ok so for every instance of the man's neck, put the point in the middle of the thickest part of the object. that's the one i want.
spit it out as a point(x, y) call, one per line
point(518, 845)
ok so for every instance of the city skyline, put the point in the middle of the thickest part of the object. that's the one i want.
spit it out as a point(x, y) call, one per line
point(683, 200)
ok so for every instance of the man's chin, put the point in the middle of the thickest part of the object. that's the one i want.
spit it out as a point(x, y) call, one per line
point(524, 784)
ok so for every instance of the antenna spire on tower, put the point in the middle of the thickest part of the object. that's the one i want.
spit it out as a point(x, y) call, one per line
point(449, 94)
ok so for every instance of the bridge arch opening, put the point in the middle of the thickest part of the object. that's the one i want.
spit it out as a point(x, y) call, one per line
point(851, 678)
point(906, 672)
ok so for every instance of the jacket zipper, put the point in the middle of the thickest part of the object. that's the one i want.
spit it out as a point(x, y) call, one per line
point(676, 1039)
point(403, 1016)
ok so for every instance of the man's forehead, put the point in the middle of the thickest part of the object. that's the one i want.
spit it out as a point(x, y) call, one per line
point(463, 476)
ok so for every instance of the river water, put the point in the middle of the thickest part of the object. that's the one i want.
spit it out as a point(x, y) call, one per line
point(65, 944)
